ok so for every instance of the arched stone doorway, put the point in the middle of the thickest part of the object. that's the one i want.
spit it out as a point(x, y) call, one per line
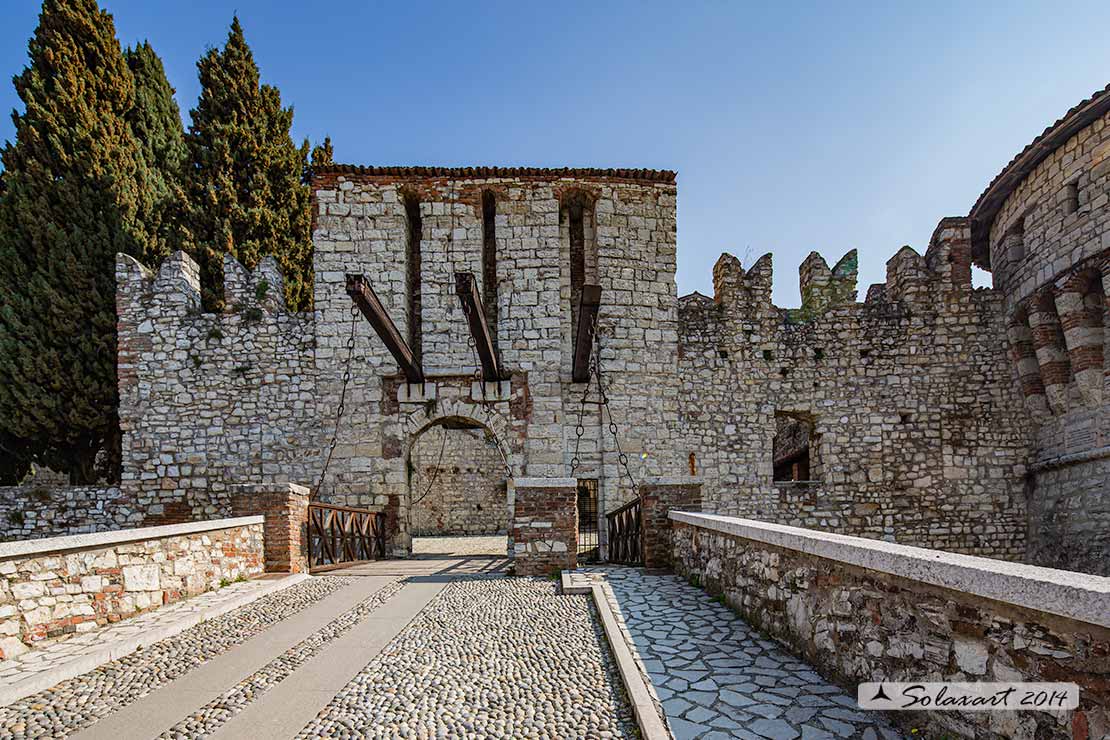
point(458, 487)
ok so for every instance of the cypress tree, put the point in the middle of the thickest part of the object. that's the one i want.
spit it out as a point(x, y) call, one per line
point(246, 195)
point(155, 121)
point(72, 200)
point(322, 154)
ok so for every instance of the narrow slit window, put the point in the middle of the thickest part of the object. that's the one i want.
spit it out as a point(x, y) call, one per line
point(1071, 198)
point(489, 261)
point(412, 274)
point(576, 215)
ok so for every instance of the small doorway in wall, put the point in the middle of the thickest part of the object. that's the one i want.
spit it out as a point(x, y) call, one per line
point(458, 499)
point(589, 546)
point(795, 450)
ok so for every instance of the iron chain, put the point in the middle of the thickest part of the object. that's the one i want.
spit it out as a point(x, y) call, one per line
point(342, 401)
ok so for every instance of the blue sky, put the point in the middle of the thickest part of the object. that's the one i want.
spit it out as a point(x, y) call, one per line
point(793, 127)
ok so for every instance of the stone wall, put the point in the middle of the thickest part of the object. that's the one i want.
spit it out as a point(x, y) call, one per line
point(861, 610)
point(1050, 256)
point(363, 225)
point(36, 510)
point(458, 484)
point(919, 437)
point(53, 588)
point(210, 400)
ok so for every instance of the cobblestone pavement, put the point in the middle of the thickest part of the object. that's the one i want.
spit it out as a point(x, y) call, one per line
point(214, 714)
point(489, 657)
point(495, 545)
point(717, 678)
point(78, 702)
point(77, 648)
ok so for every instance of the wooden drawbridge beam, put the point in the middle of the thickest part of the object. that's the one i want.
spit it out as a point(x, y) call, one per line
point(588, 304)
point(467, 288)
point(358, 287)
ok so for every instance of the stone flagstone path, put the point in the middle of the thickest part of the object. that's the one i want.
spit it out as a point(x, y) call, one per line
point(716, 677)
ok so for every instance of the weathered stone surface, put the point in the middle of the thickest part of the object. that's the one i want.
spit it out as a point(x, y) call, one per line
point(855, 624)
point(47, 596)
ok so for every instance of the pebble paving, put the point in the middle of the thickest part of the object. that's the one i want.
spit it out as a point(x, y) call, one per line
point(716, 677)
point(213, 715)
point(489, 657)
point(77, 703)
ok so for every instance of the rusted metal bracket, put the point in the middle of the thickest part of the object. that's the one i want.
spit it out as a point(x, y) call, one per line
point(588, 304)
point(358, 287)
point(467, 288)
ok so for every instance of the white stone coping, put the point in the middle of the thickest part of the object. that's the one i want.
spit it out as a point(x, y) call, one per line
point(24, 548)
point(545, 482)
point(1079, 596)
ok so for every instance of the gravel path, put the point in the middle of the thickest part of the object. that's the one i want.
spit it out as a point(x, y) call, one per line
point(78, 702)
point(718, 678)
point(210, 717)
point(489, 657)
point(493, 545)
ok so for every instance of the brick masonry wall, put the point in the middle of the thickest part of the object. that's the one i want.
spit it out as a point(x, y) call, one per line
point(285, 530)
point(859, 625)
point(545, 526)
point(49, 596)
point(35, 510)
point(920, 437)
point(461, 491)
point(210, 400)
point(1050, 257)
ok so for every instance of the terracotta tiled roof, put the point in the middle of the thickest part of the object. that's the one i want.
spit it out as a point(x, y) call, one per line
point(666, 176)
point(990, 202)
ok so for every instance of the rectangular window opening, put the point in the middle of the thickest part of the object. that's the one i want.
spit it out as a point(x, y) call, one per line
point(795, 448)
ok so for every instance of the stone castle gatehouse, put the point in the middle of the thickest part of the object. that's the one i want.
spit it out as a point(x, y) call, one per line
point(931, 413)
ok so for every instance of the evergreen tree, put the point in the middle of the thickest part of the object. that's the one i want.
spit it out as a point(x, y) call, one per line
point(246, 195)
point(155, 121)
point(73, 198)
point(322, 154)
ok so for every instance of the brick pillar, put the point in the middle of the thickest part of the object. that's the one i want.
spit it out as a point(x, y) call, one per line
point(657, 497)
point(284, 532)
point(545, 525)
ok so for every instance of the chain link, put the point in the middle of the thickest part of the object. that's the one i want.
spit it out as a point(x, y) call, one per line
point(342, 401)
point(622, 458)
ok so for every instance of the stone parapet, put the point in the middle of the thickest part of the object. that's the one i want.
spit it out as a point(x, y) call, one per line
point(863, 610)
point(545, 526)
point(53, 588)
point(284, 506)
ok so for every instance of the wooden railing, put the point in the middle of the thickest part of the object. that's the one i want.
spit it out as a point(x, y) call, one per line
point(341, 535)
point(625, 527)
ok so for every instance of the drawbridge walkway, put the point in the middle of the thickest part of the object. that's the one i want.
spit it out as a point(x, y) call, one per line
point(716, 677)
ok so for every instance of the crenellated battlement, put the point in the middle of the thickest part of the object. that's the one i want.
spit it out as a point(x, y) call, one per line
point(208, 400)
point(175, 287)
point(910, 277)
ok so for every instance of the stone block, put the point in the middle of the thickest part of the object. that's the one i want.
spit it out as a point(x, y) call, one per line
point(141, 577)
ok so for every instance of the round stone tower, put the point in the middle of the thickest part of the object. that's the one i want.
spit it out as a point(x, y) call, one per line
point(1042, 228)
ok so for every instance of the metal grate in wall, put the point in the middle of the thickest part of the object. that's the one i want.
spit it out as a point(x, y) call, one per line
point(588, 544)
